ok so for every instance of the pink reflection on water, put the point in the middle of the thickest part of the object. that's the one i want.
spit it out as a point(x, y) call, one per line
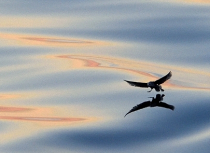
point(55, 40)
point(48, 41)
point(14, 109)
point(43, 119)
point(132, 67)
point(94, 62)
point(9, 96)
point(38, 114)
point(36, 119)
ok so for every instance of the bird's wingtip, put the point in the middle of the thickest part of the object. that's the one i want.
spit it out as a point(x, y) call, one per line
point(127, 114)
point(126, 81)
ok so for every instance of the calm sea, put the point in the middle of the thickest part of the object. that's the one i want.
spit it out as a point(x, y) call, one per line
point(63, 65)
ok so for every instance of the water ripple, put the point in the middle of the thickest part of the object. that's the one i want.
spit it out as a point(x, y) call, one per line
point(31, 40)
point(137, 68)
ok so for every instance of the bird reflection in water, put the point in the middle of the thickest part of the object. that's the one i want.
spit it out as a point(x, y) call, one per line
point(155, 102)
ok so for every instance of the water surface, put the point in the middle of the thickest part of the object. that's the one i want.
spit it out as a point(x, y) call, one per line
point(63, 64)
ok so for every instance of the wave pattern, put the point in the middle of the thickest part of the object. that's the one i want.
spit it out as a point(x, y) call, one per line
point(33, 40)
point(62, 67)
point(131, 67)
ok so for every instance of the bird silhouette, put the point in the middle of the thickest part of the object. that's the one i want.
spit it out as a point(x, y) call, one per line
point(152, 84)
point(155, 102)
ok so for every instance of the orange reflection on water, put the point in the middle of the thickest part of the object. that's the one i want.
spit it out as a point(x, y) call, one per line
point(26, 121)
point(38, 114)
point(8, 96)
point(25, 21)
point(140, 69)
point(48, 41)
point(43, 119)
point(90, 61)
point(13, 109)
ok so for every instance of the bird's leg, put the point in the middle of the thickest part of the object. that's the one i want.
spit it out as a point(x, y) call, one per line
point(161, 88)
point(150, 90)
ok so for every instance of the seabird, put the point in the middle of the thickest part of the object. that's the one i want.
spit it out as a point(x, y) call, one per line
point(155, 102)
point(152, 84)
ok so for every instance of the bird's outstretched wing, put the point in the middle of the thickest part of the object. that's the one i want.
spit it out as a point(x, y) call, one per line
point(137, 84)
point(139, 106)
point(163, 79)
point(165, 105)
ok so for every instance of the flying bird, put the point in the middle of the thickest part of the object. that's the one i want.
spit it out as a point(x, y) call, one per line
point(152, 84)
point(155, 102)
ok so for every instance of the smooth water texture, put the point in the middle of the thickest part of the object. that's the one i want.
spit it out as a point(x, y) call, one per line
point(62, 71)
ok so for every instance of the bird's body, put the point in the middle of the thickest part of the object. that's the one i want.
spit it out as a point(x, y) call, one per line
point(155, 102)
point(152, 84)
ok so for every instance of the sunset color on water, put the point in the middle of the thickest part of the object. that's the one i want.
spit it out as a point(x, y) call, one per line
point(62, 71)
